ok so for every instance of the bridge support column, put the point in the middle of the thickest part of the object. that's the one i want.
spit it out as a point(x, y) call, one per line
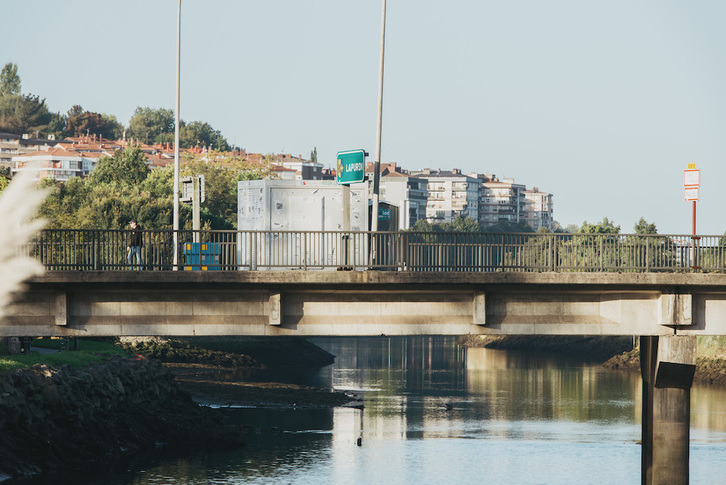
point(667, 366)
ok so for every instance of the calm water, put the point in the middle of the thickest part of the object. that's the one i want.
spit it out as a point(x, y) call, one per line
point(436, 413)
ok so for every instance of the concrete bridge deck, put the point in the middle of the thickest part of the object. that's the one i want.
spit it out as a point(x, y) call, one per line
point(360, 303)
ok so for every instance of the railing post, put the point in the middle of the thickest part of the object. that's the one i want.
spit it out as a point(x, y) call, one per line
point(647, 254)
point(305, 250)
point(94, 250)
point(501, 255)
point(400, 259)
point(353, 260)
point(42, 247)
point(253, 251)
point(696, 256)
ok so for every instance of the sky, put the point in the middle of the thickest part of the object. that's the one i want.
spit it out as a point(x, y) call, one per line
point(602, 104)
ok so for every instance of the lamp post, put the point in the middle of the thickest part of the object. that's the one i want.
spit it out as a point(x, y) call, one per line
point(176, 140)
point(377, 160)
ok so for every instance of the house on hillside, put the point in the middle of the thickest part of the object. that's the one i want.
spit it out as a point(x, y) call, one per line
point(61, 162)
point(13, 145)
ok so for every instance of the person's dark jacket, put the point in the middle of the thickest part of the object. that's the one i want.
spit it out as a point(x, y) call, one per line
point(136, 239)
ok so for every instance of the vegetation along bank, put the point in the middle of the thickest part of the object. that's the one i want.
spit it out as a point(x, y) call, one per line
point(106, 405)
point(617, 353)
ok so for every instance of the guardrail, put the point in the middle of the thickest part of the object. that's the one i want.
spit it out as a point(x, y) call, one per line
point(102, 250)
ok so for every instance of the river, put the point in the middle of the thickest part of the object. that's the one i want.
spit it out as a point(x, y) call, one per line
point(437, 413)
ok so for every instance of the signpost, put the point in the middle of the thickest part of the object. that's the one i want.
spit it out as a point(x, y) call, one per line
point(193, 193)
point(351, 169)
point(691, 184)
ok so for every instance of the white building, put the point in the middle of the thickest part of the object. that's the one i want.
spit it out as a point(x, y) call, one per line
point(450, 195)
point(13, 145)
point(538, 209)
point(60, 163)
point(409, 193)
point(500, 201)
point(304, 169)
point(406, 192)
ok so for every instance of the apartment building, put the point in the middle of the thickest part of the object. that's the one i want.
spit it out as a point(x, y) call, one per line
point(500, 201)
point(305, 169)
point(450, 194)
point(399, 188)
point(538, 209)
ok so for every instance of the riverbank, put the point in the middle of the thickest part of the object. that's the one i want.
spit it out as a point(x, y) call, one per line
point(54, 420)
point(215, 387)
point(584, 348)
point(709, 370)
point(207, 368)
point(616, 353)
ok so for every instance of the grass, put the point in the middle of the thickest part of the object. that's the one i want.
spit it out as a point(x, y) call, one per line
point(92, 352)
point(712, 347)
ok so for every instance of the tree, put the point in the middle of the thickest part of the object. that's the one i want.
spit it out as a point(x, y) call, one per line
point(80, 123)
point(508, 227)
point(463, 224)
point(65, 200)
point(572, 228)
point(459, 224)
point(126, 167)
point(198, 133)
point(152, 125)
point(4, 178)
point(221, 174)
point(314, 155)
point(57, 125)
point(643, 227)
point(603, 227)
point(9, 80)
point(23, 114)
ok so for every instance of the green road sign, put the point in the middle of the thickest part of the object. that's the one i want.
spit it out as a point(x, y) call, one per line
point(351, 167)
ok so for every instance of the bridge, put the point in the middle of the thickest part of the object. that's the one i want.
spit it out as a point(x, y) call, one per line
point(665, 289)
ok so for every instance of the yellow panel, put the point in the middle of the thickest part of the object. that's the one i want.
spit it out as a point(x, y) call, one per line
point(187, 268)
point(204, 268)
point(204, 247)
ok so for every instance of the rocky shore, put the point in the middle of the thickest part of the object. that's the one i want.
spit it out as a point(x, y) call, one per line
point(53, 420)
point(708, 370)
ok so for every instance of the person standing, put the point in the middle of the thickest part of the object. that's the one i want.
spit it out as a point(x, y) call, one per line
point(135, 245)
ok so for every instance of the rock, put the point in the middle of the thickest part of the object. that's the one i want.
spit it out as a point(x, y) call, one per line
point(61, 419)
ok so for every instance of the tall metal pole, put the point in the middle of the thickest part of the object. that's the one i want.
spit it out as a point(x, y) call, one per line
point(694, 217)
point(176, 139)
point(377, 160)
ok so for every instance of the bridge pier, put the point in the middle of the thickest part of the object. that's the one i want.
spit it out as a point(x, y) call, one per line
point(667, 366)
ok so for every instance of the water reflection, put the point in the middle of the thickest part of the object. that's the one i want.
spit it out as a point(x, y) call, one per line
point(525, 385)
point(437, 413)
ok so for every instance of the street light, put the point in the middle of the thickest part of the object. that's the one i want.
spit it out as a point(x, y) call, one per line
point(377, 159)
point(176, 140)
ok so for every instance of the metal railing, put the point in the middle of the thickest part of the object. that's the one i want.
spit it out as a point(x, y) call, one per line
point(101, 250)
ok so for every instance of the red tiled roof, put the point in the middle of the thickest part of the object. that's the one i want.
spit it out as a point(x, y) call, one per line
point(56, 151)
point(280, 168)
